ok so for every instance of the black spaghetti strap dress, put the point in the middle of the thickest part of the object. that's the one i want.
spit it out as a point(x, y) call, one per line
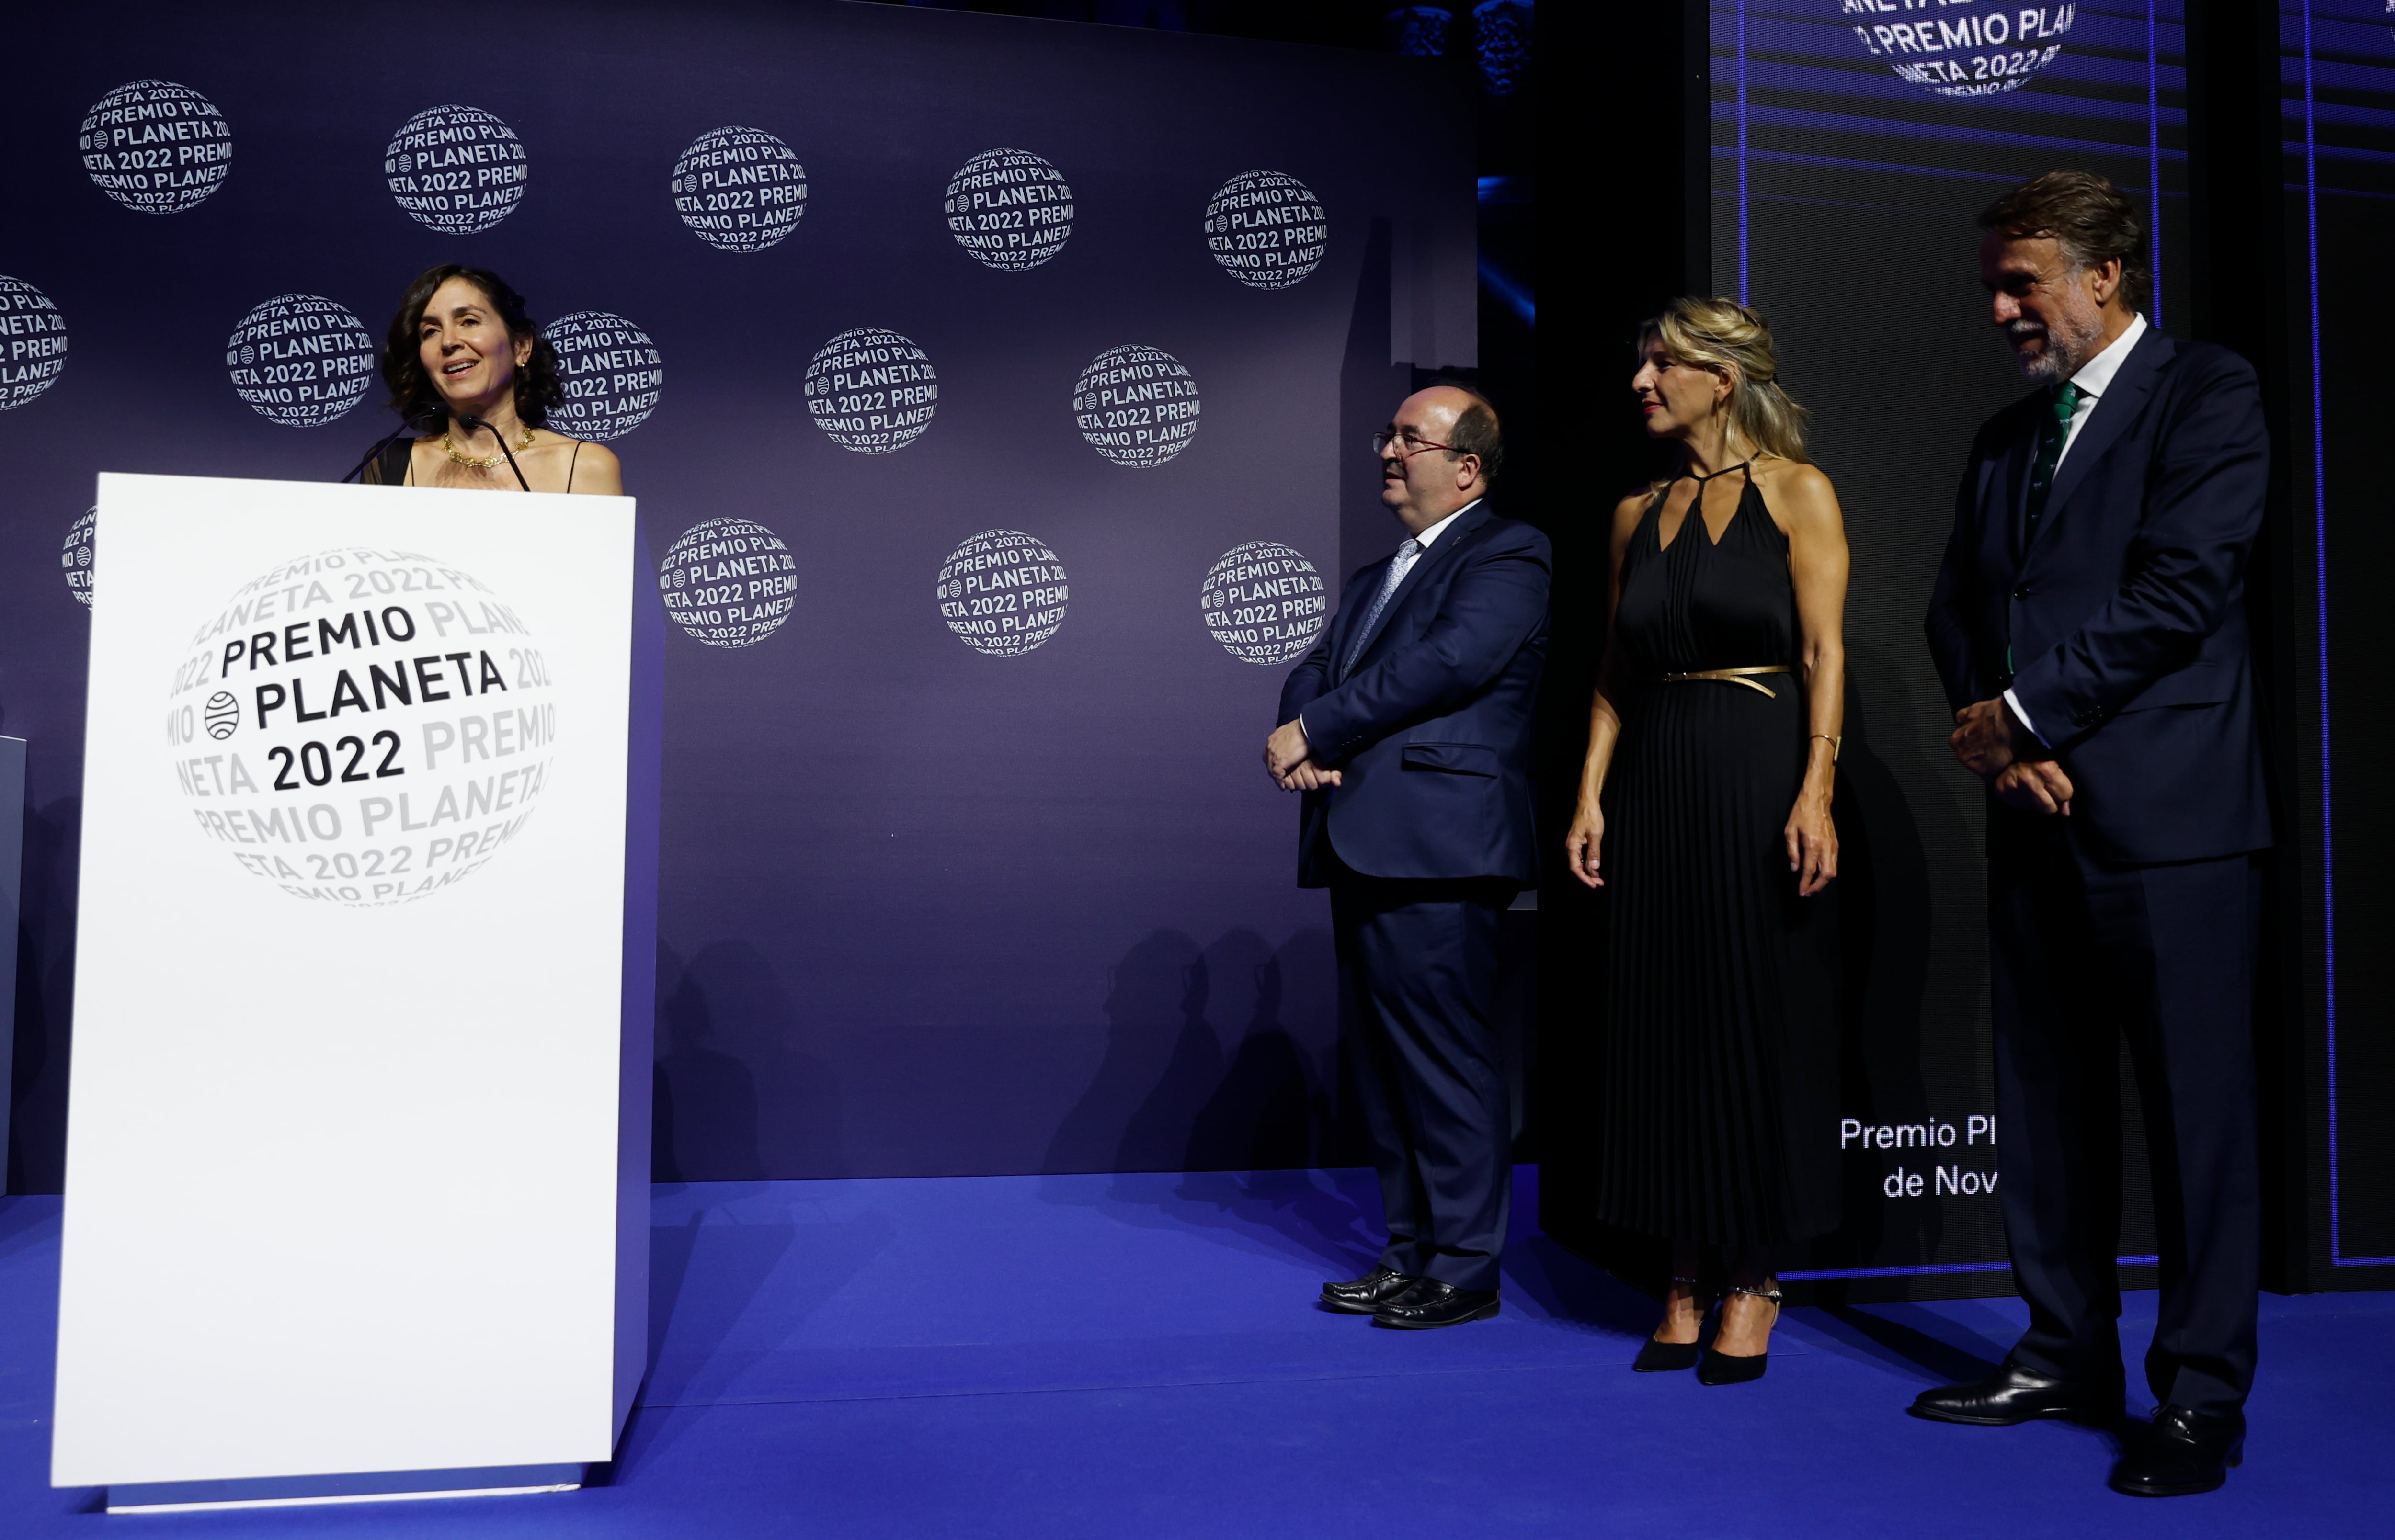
point(1717, 1107)
point(395, 467)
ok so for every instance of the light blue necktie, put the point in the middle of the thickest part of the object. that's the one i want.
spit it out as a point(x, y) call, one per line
point(1399, 565)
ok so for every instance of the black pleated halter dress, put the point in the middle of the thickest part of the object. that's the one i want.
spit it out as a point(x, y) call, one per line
point(1717, 1108)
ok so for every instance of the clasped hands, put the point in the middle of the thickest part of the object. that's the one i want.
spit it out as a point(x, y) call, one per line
point(1992, 744)
point(1288, 759)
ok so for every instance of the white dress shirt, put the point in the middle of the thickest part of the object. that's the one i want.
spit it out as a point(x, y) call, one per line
point(2094, 378)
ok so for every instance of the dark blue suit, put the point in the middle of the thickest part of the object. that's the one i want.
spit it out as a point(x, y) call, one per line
point(1422, 845)
point(2118, 621)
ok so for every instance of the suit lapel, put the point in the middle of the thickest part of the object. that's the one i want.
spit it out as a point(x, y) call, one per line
point(1441, 550)
point(2113, 411)
point(2011, 503)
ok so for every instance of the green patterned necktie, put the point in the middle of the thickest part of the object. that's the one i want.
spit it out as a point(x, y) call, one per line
point(2051, 436)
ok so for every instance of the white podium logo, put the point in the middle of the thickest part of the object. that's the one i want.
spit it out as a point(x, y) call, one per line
point(1264, 602)
point(740, 189)
point(157, 147)
point(729, 583)
point(873, 391)
point(74, 556)
point(1003, 592)
point(1137, 406)
point(301, 360)
point(1267, 228)
point(613, 375)
point(361, 726)
point(1010, 208)
point(33, 343)
point(456, 170)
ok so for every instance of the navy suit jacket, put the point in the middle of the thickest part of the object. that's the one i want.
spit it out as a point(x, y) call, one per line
point(2124, 614)
point(1431, 731)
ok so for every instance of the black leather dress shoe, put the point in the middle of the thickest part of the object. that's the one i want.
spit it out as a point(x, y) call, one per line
point(2016, 1394)
point(1431, 1303)
point(1364, 1295)
point(2185, 1451)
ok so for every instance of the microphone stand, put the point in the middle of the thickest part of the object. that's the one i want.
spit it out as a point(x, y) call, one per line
point(473, 424)
point(359, 469)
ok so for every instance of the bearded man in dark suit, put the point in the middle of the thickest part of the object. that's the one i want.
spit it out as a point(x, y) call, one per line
point(2089, 624)
point(1408, 727)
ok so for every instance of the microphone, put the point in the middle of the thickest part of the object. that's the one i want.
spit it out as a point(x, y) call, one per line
point(475, 424)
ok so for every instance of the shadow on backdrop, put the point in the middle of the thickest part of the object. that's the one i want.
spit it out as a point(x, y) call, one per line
point(737, 1099)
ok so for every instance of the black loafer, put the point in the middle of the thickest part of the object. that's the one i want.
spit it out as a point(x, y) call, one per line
point(2016, 1394)
point(1364, 1295)
point(1431, 1303)
point(2185, 1451)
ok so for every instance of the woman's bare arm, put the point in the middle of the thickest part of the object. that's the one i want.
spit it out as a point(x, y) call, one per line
point(1806, 508)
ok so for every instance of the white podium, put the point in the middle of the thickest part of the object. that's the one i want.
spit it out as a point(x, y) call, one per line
point(358, 1150)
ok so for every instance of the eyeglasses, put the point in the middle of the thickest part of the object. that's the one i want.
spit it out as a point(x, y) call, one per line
point(1414, 446)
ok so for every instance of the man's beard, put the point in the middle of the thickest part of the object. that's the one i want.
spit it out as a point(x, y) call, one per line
point(2067, 347)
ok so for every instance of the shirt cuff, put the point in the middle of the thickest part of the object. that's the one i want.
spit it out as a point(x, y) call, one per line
point(2019, 711)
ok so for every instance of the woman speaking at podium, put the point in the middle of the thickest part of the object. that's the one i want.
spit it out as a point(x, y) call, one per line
point(463, 358)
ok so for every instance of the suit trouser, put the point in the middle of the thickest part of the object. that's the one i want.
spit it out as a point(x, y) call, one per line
point(1417, 960)
point(2082, 953)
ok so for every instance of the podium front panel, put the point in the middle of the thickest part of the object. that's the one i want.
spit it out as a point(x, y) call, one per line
point(346, 1189)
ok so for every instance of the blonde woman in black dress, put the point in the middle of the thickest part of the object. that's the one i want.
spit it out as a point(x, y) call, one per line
point(1704, 809)
point(460, 348)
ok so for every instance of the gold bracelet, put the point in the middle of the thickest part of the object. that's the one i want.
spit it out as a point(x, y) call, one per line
point(1836, 744)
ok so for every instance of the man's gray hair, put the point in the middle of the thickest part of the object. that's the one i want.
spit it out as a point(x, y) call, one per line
point(2092, 220)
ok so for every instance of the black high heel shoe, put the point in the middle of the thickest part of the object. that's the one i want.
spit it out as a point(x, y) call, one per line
point(1718, 1368)
point(1656, 1358)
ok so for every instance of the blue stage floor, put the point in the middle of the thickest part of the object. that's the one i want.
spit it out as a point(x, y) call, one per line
point(1138, 1356)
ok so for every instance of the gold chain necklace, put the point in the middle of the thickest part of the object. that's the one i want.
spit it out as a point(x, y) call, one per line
point(482, 462)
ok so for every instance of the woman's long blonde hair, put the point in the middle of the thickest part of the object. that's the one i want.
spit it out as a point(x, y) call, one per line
point(1725, 337)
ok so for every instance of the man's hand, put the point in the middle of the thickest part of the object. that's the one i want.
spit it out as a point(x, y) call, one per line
point(1287, 760)
point(1985, 733)
point(2034, 786)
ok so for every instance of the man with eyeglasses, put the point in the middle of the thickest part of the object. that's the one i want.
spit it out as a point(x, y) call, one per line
point(1407, 730)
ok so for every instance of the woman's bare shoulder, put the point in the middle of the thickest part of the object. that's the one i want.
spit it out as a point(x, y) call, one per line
point(1798, 493)
point(597, 471)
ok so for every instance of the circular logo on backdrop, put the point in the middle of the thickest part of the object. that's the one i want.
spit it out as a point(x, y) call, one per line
point(1137, 406)
point(391, 726)
point(611, 370)
point(301, 360)
point(456, 170)
point(33, 343)
point(1010, 208)
point(729, 583)
point(740, 189)
point(1264, 602)
point(871, 390)
point(1979, 53)
point(74, 556)
point(157, 147)
point(1003, 592)
point(1266, 229)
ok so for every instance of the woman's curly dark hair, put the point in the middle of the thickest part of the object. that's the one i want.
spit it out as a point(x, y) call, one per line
point(414, 396)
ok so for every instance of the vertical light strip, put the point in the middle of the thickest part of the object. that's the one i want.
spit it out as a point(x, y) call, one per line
point(2154, 151)
point(2320, 610)
point(1741, 153)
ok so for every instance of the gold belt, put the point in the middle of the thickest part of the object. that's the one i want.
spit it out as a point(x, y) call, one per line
point(1734, 676)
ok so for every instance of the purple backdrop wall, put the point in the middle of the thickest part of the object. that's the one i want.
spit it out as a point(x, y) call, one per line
point(926, 910)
